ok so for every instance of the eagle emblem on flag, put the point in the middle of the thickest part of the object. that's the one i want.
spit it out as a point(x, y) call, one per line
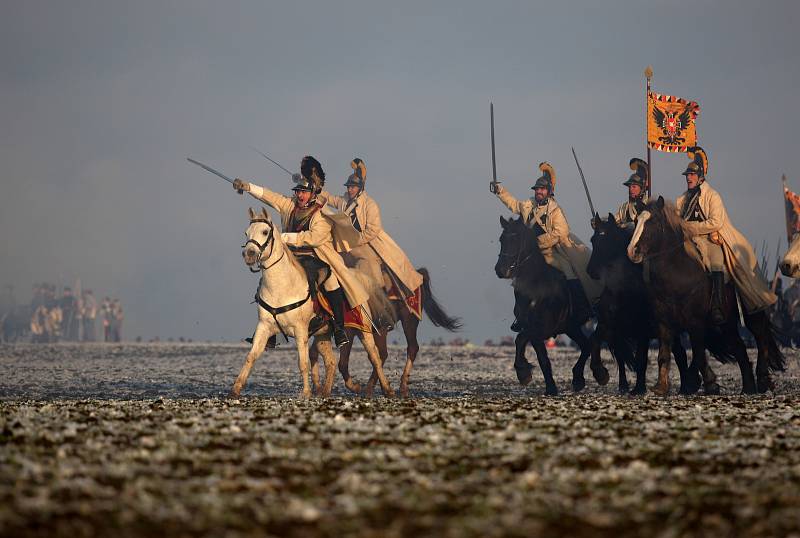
point(672, 124)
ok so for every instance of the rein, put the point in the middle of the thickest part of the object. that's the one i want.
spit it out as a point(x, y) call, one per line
point(517, 262)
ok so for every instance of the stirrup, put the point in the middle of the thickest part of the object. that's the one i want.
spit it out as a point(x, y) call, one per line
point(516, 326)
point(340, 337)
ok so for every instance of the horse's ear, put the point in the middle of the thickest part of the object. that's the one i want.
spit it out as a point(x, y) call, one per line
point(251, 212)
point(264, 213)
point(611, 219)
point(660, 202)
point(503, 221)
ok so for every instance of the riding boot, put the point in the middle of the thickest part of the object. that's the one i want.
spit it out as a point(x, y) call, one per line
point(581, 308)
point(336, 300)
point(521, 304)
point(717, 297)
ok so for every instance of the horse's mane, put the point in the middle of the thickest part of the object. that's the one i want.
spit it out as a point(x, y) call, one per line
point(680, 226)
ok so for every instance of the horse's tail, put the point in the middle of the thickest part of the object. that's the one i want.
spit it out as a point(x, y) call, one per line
point(758, 323)
point(432, 307)
point(629, 354)
point(719, 346)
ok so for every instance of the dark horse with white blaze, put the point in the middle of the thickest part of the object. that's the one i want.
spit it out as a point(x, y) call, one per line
point(680, 293)
point(550, 312)
point(625, 315)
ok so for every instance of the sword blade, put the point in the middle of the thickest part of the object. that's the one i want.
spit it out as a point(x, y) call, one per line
point(585, 187)
point(208, 168)
point(270, 160)
point(494, 164)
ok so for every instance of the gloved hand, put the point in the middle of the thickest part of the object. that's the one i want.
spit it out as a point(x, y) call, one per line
point(240, 186)
point(289, 238)
point(494, 187)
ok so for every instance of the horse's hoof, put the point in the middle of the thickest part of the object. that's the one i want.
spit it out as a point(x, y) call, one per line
point(578, 384)
point(551, 390)
point(601, 375)
point(404, 391)
point(712, 389)
point(660, 389)
point(764, 384)
point(524, 374)
point(234, 394)
point(623, 389)
point(638, 390)
point(304, 395)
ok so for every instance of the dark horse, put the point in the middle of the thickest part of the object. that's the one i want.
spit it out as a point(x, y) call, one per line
point(624, 313)
point(680, 293)
point(549, 313)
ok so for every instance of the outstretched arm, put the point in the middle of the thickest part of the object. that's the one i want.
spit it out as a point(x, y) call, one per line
point(508, 200)
point(276, 201)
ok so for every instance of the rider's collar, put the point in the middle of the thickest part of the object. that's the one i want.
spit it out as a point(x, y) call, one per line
point(310, 203)
point(543, 202)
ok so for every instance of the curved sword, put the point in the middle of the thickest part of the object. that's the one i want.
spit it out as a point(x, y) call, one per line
point(201, 165)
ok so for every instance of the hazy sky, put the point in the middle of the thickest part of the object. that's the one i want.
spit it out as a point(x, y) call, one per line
point(101, 103)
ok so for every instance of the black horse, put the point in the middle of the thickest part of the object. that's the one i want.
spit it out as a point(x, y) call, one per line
point(680, 293)
point(550, 312)
point(625, 315)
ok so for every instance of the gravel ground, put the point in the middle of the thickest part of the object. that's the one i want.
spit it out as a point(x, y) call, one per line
point(137, 440)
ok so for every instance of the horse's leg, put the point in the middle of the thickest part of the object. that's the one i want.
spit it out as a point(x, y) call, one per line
point(410, 325)
point(547, 371)
point(374, 357)
point(523, 368)
point(344, 365)
point(599, 371)
point(700, 362)
point(740, 351)
point(664, 358)
point(383, 353)
point(322, 346)
point(301, 339)
point(758, 324)
point(623, 356)
point(642, 347)
point(682, 361)
point(313, 357)
point(578, 381)
point(256, 349)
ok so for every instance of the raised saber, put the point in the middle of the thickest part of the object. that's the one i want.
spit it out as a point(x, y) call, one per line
point(208, 168)
point(494, 162)
point(588, 196)
point(272, 161)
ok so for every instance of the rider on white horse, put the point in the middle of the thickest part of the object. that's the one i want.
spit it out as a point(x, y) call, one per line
point(309, 232)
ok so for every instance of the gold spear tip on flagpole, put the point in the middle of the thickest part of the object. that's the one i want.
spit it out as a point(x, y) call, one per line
point(648, 71)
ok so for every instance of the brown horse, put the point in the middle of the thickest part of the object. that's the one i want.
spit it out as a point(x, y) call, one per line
point(680, 293)
point(410, 323)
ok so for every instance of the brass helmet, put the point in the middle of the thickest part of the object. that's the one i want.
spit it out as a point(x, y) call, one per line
point(640, 175)
point(311, 169)
point(548, 178)
point(699, 164)
point(303, 184)
point(359, 176)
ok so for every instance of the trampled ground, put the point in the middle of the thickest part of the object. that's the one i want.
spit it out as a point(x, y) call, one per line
point(138, 440)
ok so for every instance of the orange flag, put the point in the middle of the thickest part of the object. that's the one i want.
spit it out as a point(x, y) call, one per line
point(792, 206)
point(671, 123)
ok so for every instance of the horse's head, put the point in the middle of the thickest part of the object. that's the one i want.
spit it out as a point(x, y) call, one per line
point(790, 265)
point(609, 243)
point(654, 227)
point(261, 238)
point(517, 247)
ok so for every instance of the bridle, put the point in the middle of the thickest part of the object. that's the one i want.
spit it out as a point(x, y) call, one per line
point(269, 242)
point(518, 261)
point(658, 254)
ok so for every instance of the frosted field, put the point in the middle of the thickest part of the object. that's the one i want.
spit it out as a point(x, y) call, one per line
point(138, 440)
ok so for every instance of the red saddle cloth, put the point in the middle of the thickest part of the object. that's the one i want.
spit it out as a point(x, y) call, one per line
point(413, 302)
point(354, 318)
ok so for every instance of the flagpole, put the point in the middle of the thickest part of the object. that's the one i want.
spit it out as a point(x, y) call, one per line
point(648, 73)
point(786, 215)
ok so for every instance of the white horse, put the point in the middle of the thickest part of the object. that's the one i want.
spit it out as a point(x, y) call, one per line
point(790, 265)
point(285, 306)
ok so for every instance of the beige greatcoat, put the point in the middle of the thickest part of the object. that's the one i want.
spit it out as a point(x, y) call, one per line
point(627, 212)
point(323, 230)
point(739, 256)
point(560, 248)
point(374, 237)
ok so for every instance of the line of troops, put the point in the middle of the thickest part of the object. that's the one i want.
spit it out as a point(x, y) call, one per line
point(72, 318)
point(309, 232)
point(725, 253)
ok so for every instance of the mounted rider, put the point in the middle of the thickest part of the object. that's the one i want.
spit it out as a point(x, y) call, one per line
point(637, 194)
point(560, 248)
point(310, 232)
point(723, 249)
point(376, 253)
